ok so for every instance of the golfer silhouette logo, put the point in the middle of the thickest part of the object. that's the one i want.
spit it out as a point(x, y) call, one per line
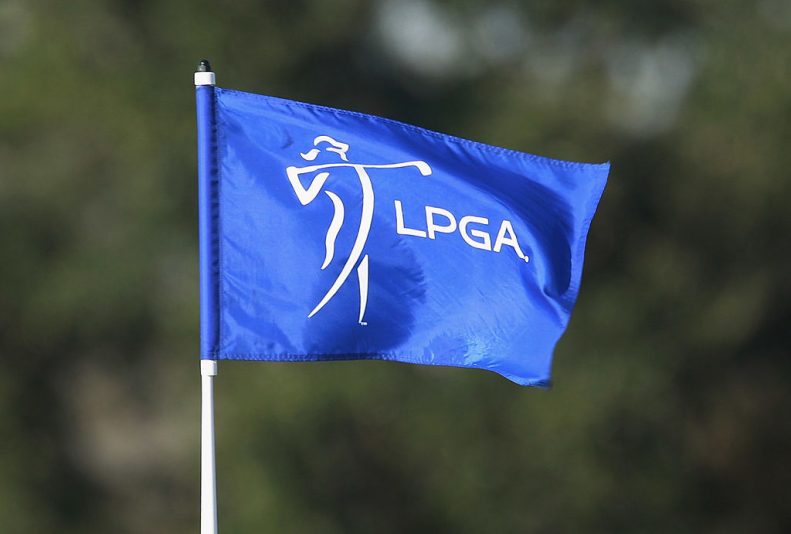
point(318, 176)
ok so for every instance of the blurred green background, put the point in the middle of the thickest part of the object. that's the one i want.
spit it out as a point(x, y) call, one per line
point(670, 411)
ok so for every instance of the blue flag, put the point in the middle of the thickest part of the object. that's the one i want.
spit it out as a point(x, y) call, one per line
point(332, 235)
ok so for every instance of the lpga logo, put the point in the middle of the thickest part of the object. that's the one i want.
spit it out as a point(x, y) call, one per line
point(356, 258)
point(438, 220)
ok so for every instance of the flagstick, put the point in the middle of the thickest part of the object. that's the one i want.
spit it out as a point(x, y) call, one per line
point(208, 521)
point(208, 370)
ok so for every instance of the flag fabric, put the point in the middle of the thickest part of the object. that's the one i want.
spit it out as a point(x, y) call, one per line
point(331, 235)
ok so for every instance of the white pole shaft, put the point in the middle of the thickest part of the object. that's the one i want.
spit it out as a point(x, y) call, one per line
point(208, 492)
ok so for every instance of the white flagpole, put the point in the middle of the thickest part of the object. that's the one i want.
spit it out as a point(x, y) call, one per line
point(208, 370)
point(208, 481)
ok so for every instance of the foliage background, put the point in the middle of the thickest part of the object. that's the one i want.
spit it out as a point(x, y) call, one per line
point(670, 409)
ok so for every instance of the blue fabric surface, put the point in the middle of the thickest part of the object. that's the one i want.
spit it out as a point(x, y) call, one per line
point(330, 235)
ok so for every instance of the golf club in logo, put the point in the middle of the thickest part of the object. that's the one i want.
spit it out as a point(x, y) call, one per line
point(318, 177)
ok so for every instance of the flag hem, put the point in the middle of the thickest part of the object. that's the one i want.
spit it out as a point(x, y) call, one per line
point(544, 383)
point(208, 219)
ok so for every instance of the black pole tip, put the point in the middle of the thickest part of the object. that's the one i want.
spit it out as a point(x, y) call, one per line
point(204, 65)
